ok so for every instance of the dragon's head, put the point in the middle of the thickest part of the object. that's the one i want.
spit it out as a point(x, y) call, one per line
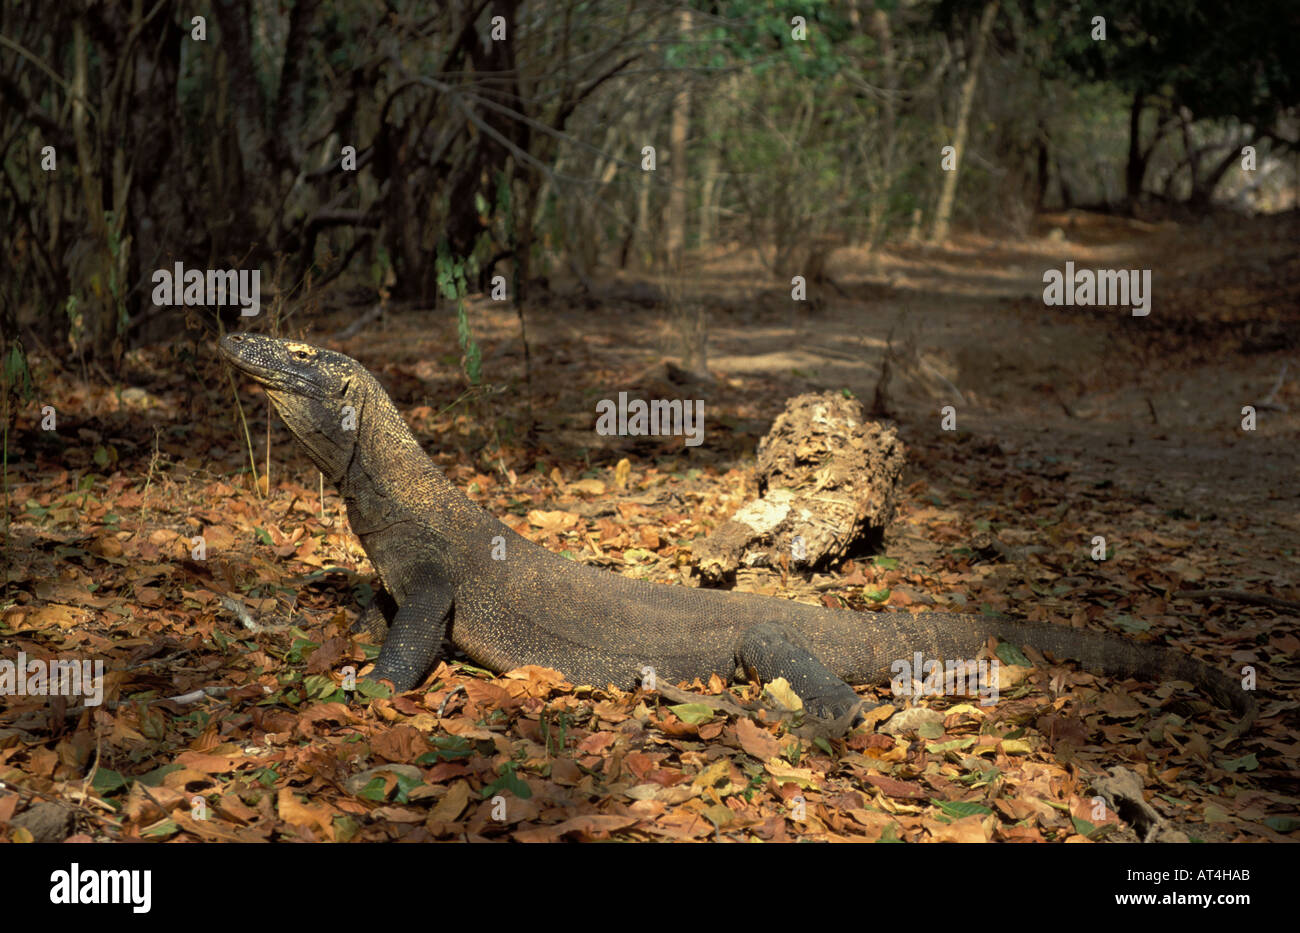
point(320, 394)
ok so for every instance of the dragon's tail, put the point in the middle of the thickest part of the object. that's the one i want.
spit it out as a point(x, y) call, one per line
point(1119, 657)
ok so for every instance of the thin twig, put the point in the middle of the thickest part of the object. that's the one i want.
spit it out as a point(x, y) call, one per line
point(153, 463)
point(442, 707)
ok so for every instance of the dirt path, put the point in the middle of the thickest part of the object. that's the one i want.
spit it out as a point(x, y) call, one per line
point(1150, 405)
point(1098, 391)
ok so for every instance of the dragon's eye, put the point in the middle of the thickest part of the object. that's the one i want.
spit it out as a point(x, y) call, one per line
point(301, 355)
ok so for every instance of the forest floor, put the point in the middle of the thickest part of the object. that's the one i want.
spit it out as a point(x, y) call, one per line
point(1071, 423)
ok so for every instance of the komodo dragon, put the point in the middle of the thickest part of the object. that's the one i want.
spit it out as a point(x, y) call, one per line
point(434, 551)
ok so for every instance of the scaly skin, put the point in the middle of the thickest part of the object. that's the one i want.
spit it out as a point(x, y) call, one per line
point(434, 551)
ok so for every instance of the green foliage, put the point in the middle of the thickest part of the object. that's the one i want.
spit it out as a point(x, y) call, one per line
point(1215, 57)
point(299, 650)
point(107, 782)
point(692, 713)
point(15, 376)
point(1009, 654)
point(371, 689)
point(956, 809)
point(322, 688)
point(377, 790)
point(834, 132)
point(446, 748)
point(468, 345)
point(508, 781)
point(759, 34)
point(452, 285)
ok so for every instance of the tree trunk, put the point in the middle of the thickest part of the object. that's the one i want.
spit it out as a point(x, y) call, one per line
point(1189, 147)
point(1203, 188)
point(943, 213)
point(90, 267)
point(251, 214)
point(1041, 177)
point(675, 241)
point(884, 33)
point(716, 120)
point(708, 206)
point(642, 240)
point(1136, 169)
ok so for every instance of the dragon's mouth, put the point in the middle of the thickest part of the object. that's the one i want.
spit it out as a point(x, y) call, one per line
point(270, 374)
point(288, 383)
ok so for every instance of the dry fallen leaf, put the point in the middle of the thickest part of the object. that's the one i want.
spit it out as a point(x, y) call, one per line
point(757, 741)
point(452, 804)
point(554, 521)
point(318, 816)
point(967, 829)
point(781, 691)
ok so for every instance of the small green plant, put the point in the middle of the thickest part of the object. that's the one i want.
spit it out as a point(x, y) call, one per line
point(451, 282)
point(554, 740)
